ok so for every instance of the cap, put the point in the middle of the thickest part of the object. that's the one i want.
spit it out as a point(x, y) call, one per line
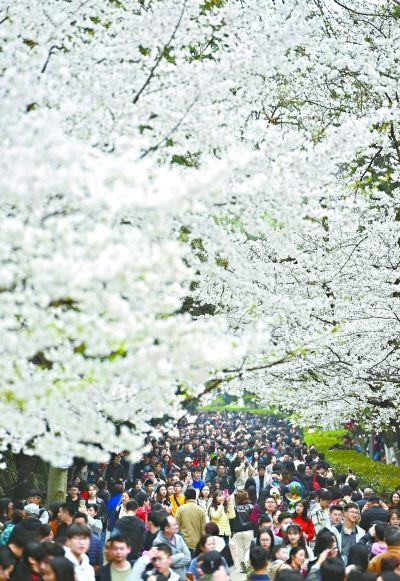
point(31, 509)
point(212, 561)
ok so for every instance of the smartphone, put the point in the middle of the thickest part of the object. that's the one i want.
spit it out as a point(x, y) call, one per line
point(82, 503)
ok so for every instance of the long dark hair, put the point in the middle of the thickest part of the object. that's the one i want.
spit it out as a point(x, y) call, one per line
point(215, 504)
point(295, 528)
point(271, 536)
point(62, 568)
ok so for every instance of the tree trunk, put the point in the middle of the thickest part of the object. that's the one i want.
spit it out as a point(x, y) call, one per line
point(57, 485)
point(371, 445)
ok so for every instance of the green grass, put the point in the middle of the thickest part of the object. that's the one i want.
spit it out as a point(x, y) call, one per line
point(231, 407)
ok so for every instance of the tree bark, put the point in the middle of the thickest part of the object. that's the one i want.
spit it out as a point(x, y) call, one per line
point(57, 485)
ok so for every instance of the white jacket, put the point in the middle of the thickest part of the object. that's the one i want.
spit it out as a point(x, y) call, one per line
point(83, 570)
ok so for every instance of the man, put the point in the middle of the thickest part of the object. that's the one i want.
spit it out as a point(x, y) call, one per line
point(35, 497)
point(366, 494)
point(224, 481)
point(73, 497)
point(154, 564)
point(191, 520)
point(119, 568)
point(348, 533)
point(31, 522)
point(115, 473)
point(132, 528)
point(335, 514)
point(143, 508)
point(259, 562)
point(77, 545)
point(65, 518)
point(392, 539)
point(260, 480)
point(319, 514)
point(373, 511)
point(180, 553)
point(95, 551)
point(17, 542)
point(197, 481)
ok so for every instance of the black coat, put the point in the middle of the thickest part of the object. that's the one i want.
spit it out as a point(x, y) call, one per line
point(369, 515)
point(133, 529)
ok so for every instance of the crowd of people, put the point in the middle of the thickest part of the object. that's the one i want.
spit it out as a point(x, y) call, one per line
point(229, 496)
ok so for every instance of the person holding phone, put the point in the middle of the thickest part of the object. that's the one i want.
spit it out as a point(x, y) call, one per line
point(221, 510)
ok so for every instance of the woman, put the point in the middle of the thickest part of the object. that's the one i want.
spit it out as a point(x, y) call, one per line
point(205, 544)
point(17, 517)
point(205, 500)
point(394, 517)
point(358, 557)
point(120, 510)
point(7, 564)
point(297, 558)
point(162, 497)
point(293, 537)
point(177, 499)
point(6, 509)
point(136, 490)
point(59, 569)
point(394, 501)
point(242, 527)
point(300, 517)
point(265, 539)
point(221, 510)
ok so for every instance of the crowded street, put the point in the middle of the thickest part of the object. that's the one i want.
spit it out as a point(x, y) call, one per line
point(224, 496)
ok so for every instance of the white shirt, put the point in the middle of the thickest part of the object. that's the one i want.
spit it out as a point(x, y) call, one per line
point(83, 570)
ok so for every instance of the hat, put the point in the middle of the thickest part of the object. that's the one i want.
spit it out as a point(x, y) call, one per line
point(274, 490)
point(32, 509)
point(212, 561)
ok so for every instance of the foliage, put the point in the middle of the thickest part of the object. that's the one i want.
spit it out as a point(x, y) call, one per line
point(383, 478)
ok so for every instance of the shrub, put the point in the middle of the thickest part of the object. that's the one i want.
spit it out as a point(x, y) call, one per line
point(383, 478)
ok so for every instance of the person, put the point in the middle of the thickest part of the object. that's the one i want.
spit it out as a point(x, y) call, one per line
point(204, 500)
point(145, 507)
point(180, 553)
point(223, 480)
point(152, 529)
point(394, 500)
point(266, 540)
point(348, 533)
point(190, 519)
point(373, 511)
point(336, 514)
point(119, 569)
point(17, 517)
point(393, 517)
point(242, 473)
point(6, 510)
point(297, 558)
point(269, 507)
point(161, 497)
point(278, 561)
point(392, 539)
point(31, 520)
point(95, 524)
point(221, 511)
point(379, 546)
point(211, 563)
point(115, 473)
point(58, 569)
point(260, 479)
point(7, 564)
point(358, 558)
point(259, 563)
point(132, 528)
point(77, 545)
point(34, 554)
point(243, 528)
point(17, 542)
point(35, 497)
point(197, 483)
point(333, 569)
point(120, 509)
point(156, 564)
point(178, 498)
point(94, 499)
point(73, 497)
point(319, 513)
point(205, 544)
point(95, 551)
point(300, 517)
point(65, 518)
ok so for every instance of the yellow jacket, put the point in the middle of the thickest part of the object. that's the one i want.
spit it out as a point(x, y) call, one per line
point(176, 502)
point(221, 518)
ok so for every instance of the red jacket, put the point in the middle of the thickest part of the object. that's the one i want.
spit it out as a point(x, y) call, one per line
point(306, 526)
point(142, 513)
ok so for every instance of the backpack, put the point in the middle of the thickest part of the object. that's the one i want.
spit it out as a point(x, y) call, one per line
point(315, 485)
